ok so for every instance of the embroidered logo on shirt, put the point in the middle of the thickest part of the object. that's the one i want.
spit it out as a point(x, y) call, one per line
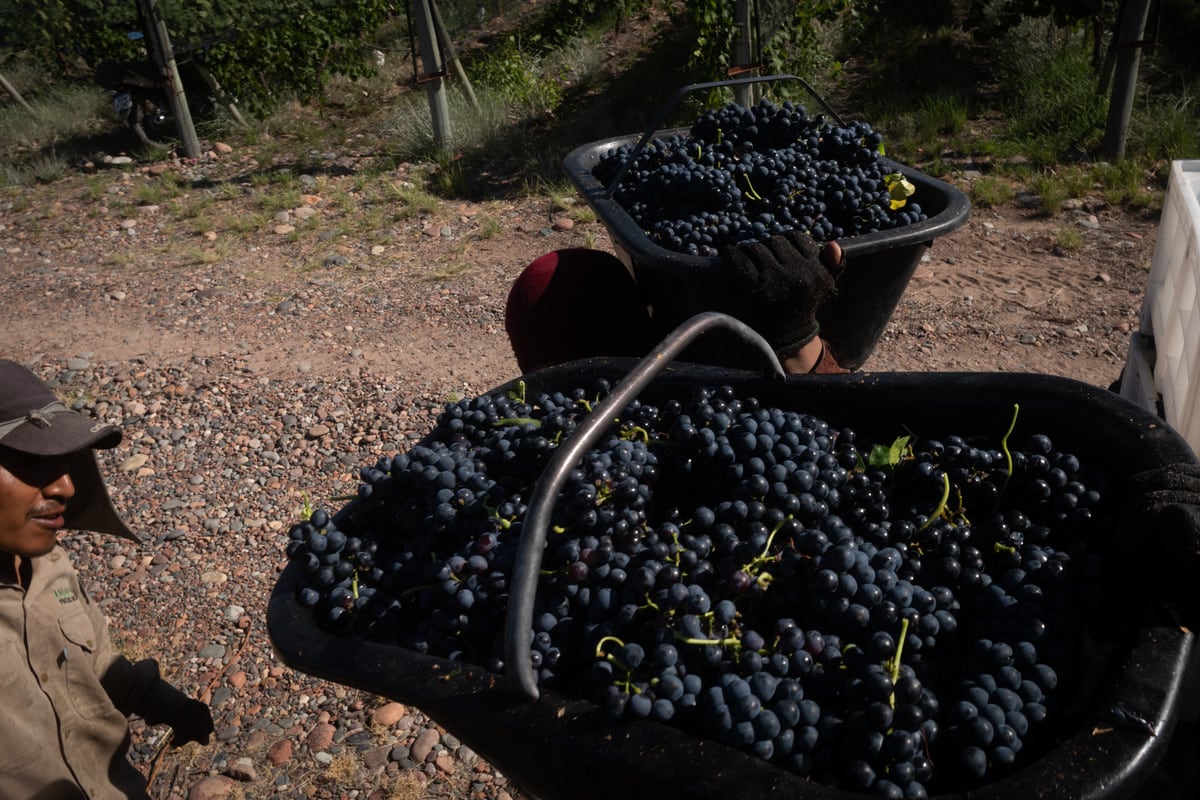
point(65, 595)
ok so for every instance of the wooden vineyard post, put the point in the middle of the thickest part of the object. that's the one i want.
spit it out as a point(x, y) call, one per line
point(164, 58)
point(432, 74)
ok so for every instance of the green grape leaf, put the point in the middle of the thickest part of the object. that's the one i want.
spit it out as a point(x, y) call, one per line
point(888, 455)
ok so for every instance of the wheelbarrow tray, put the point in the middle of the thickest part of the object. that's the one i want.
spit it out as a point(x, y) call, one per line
point(563, 747)
point(878, 265)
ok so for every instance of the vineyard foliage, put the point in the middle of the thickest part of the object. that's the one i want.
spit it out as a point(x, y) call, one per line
point(258, 49)
point(261, 50)
point(785, 39)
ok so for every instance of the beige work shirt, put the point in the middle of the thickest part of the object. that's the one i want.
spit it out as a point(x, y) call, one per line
point(62, 734)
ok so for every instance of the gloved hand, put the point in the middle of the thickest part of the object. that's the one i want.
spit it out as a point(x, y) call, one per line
point(778, 285)
point(190, 721)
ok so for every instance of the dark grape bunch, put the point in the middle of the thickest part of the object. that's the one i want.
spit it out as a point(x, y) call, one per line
point(743, 174)
point(894, 618)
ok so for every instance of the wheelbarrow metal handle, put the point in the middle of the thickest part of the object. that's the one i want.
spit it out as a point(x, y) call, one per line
point(532, 544)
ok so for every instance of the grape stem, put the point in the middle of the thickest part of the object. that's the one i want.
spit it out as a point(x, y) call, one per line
point(735, 643)
point(604, 640)
point(894, 661)
point(750, 191)
point(627, 681)
point(941, 506)
point(494, 514)
point(771, 537)
point(517, 421)
point(960, 515)
point(755, 563)
point(637, 432)
point(1008, 461)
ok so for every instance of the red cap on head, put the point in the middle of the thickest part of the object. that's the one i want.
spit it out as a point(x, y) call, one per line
point(576, 303)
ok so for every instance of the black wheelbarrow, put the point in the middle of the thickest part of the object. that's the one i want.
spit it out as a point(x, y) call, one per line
point(559, 746)
point(879, 265)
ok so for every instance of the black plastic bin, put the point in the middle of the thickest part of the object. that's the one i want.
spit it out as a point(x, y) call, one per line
point(560, 747)
point(878, 265)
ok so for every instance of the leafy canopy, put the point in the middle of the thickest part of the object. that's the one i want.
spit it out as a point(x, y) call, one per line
point(258, 49)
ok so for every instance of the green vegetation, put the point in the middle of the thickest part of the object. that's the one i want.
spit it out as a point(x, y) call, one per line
point(448, 271)
point(39, 142)
point(1020, 87)
point(253, 47)
point(410, 200)
point(989, 190)
point(1053, 193)
point(38, 169)
point(1053, 108)
point(982, 85)
point(1069, 239)
point(159, 191)
point(488, 227)
point(520, 76)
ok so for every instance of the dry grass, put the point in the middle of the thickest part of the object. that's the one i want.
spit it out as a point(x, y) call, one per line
point(407, 787)
point(449, 271)
point(343, 770)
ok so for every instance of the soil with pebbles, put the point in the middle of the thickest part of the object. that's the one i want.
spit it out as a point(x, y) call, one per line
point(255, 376)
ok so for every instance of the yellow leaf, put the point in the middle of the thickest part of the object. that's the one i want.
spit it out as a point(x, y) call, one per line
point(899, 188)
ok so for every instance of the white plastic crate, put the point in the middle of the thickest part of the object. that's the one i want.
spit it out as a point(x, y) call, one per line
point(1162, 372)
point(1164, 355)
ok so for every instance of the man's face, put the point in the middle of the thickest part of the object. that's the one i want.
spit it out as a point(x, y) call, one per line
point(34, 491)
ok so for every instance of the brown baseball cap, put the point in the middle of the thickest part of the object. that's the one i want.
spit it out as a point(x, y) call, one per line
point(34, 420)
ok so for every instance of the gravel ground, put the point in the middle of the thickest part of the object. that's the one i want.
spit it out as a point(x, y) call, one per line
point(212, 471)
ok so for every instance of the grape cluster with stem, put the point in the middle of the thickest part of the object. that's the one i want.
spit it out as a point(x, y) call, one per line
point(743, 174)
point(893, 617)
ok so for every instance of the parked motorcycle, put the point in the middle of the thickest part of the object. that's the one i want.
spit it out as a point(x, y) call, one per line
point(141, 94)
point(139, 98)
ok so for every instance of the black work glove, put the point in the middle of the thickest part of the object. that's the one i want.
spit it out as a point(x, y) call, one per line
point(190, 721)
point(139, 689)
point(778, 284)
point(163, 704)
point(1167, 514)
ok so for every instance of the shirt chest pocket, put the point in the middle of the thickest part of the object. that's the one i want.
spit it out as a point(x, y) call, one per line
point(77, 629)
point(78, 664)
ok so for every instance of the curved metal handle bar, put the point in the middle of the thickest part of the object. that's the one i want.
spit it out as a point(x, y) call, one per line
point(532, 544)
point(675, 98)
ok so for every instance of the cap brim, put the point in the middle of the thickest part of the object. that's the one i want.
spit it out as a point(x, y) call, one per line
point(66, 432)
